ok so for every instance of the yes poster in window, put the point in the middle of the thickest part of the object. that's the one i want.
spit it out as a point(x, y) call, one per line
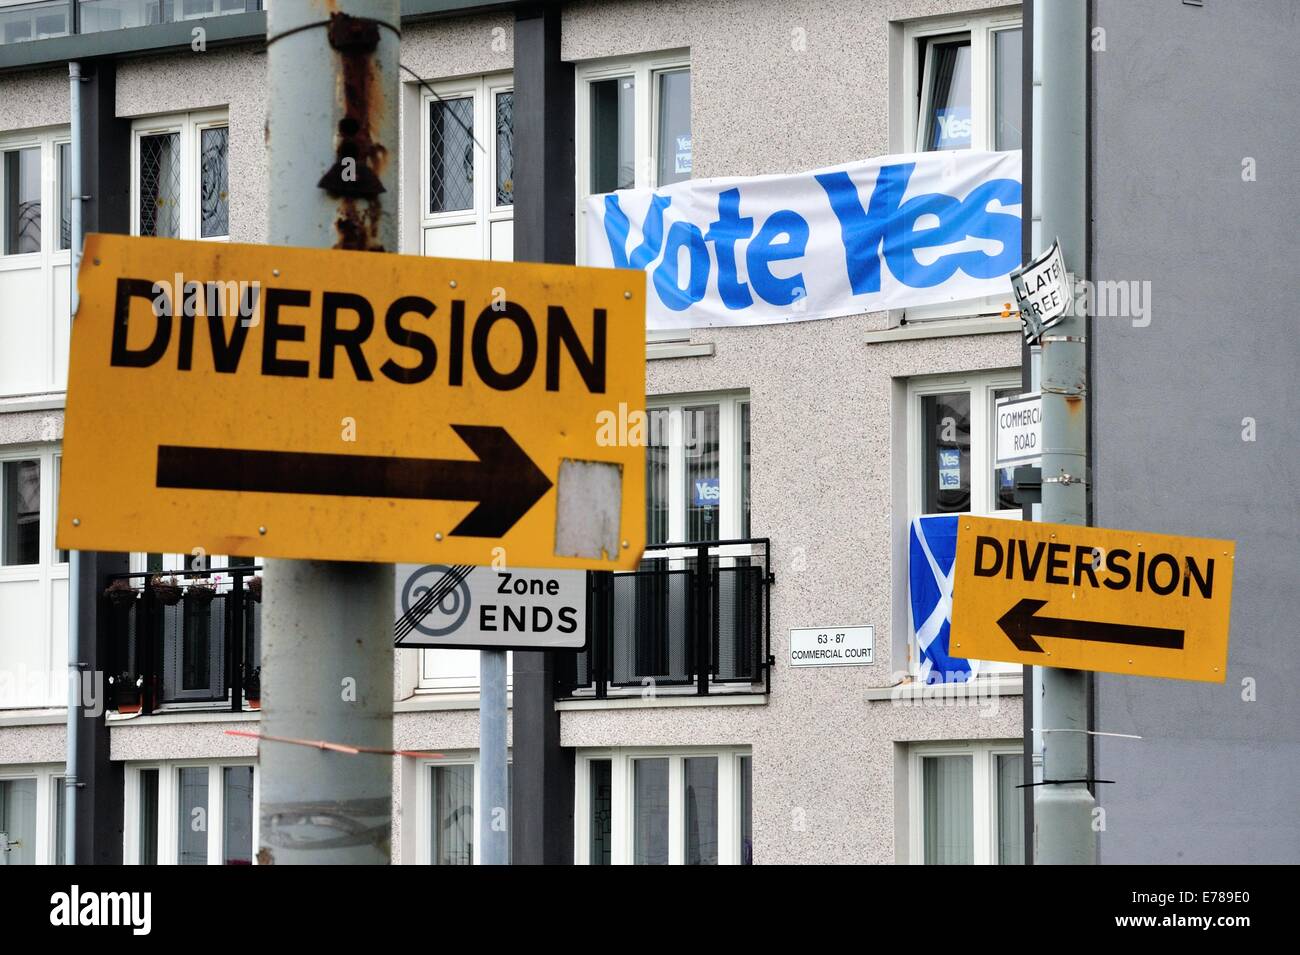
point(952, 127)
point(706, 492)
point(949, 469)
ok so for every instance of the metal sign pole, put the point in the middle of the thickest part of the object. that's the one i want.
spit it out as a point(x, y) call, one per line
point(1064, 806)
point(494, 803)
point(327, 657)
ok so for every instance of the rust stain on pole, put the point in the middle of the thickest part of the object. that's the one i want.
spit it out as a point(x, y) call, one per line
point(354, 179)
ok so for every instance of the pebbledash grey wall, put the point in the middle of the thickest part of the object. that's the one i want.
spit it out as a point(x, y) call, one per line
point(828, 432)
point(1184, 100)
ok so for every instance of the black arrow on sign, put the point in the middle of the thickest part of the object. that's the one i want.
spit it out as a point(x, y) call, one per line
point(504, 480)
point(1021, 623)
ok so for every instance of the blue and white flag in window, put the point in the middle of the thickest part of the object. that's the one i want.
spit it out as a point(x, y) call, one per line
point(932, 555)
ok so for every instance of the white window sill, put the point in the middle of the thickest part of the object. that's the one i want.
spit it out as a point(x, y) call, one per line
point(637, 703)
point(425, 701)
point(944, 328)
point(677, 349)
point(34, 717)
point(48, 401)
point(997, 684)
point(182, 716)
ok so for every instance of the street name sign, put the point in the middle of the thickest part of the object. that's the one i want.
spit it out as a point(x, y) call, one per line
point(490, 608)
point(1018, 430)
point(831, 646)
point(1042, 290)
point(323, 404)
point(1085, 598)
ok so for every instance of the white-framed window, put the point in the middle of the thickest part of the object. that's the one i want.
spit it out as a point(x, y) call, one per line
point(33, 580)
point(455, 671)
point(964, 807)
point(180, 176)
point(961, 89)
point(35, 236)
point(467, 158)
point(690, 806)
point(951, 452)
point(950, 455)
point(962, 79)
point(447, 805)
point(633, 126)
point(697, 468)
point(32, 822)
point(191, 812)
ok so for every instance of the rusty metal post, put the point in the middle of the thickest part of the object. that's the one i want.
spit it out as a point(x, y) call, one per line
point(331, 129)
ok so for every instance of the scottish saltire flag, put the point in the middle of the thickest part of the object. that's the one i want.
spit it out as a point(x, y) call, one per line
point(932, 554)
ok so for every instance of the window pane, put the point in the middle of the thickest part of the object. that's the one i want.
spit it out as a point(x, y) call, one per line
point(650, 812)
point(214, 185)
point(746, 810)
point(18, 821)
point(192, 816)
point(700, 809)
point(949, 812)
point(65, 195)
point(745, 527)
point(453, 815)
point(1011, 810)
point(451, 155)
point(656, 476)
point(160, 185)
point(60, 821)
point(148, 824)
point(948, 125)
point(237, 815)
point(505, 149)
point(703, 484)
point(674, 144)
point(22, 201)
point(946, 452)
point(600, 798)
point(613, 134)
point(20, 512)
point(1006, 89)
point(1004, 479)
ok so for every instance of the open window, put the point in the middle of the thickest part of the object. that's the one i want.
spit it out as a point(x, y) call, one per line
point(959, 88)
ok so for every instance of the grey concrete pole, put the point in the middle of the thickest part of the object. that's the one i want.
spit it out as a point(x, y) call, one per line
point(494, 810)
point(327, 658)
point(1064, 811)
point(72, 772)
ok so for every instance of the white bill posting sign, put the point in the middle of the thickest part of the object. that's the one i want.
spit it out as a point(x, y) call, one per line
point(1019, 428)
point(891, 232)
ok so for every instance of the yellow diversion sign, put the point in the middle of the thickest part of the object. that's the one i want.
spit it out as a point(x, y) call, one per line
point(1085, 598)
point(279, 402)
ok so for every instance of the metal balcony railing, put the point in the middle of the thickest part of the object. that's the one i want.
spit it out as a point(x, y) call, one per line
point(188, 645)
point(693, 619)
point(43, 19)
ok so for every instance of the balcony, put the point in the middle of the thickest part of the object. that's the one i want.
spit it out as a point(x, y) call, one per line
point(693, 620)
point(54, 18)
point(185, 640)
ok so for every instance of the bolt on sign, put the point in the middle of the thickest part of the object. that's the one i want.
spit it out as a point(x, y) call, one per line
point(1085, 598)
point(321, 404)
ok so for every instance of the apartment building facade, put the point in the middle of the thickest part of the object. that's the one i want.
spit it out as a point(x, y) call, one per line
point(791, 467)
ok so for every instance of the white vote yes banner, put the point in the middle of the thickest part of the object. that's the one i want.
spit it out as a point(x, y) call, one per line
point(891, 232)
